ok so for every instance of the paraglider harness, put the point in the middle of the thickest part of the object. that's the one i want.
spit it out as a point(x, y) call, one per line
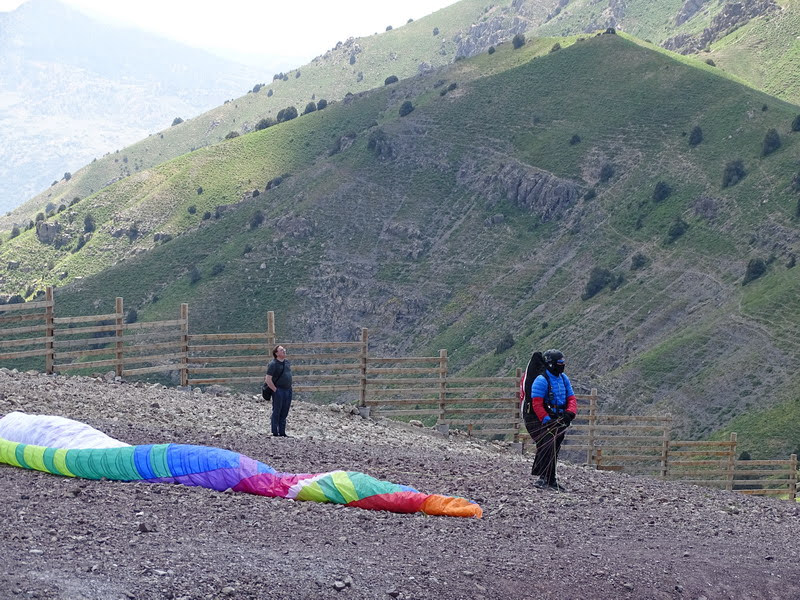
point(536, 366)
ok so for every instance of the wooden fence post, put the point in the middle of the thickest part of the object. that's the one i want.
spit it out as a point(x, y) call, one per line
point(442, 383)
point(119, 309)
point(731, 467)
point(590, 453)
point(665, 450)
point(184, 371)
point(49, 357)
point(517, 416)
point(270, 331)
point(793, 477)
point(362, 400)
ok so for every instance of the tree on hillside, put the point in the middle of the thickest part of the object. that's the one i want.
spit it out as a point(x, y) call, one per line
point(287, 114)
point(435, 31)
point(406, 108)
point(194, 275)
point(256, 219)
point(14, 232)
point(606, 172)
point(695, 137)
point(676, 229)
point(390, 80)
point(755, 269)
point(88, 224)
point(231, 135)
point(796, 123)
point(518, 41)
point(265, 123)
point(772, 141)
point(661, 192)
point(310, 107)
point(176, 121)
point(67, 176)
point(734, 172)
point(322, 104)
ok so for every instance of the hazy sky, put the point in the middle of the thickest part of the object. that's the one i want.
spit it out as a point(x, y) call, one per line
point(254, 30)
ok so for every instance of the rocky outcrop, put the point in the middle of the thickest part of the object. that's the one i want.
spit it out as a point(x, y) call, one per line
point(48, 233)
point(732, 16)
point(540, 192)
point(488, 33)
point(689, 9)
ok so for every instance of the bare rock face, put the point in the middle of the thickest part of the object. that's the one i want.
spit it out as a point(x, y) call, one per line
point(538, 191)
point(488, 33)
point(733, 15)
point(48, 233)
point(689, 9)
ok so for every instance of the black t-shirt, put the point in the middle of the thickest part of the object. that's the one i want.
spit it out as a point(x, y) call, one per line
point(281, 373)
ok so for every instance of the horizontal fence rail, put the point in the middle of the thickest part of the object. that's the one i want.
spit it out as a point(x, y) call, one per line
point(408, 388)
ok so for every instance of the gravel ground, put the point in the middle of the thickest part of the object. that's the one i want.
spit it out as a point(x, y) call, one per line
point(609, 536)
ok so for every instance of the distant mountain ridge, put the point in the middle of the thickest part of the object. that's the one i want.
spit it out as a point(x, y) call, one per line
point(72, 89)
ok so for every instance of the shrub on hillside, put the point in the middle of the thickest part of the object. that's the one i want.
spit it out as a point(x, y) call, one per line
point(88, 224)
point(696, 136)
point(755, 269)
point(287, 114)
point(556, 47)
point(590, 194)
point(256, 219)
point(14, 232)
point(192, 209)
point(491, 50)
point(638, 261)
point(257, 87)
point(599, 278)
point(67, 176)
point(310, 107)
point(322, 103)
point(435, 31)
point(353, 59)
point(132, 316)
point(206, 215)
point(575, 139)
point(606, 172)
point(518, 41)
point(176, 121)
point(199, 190)
point(217, 269)
point(194, 275)
point(676, 229)
point(297, 75)
point(231, 135)
point(772, 141)
point(734, 172)
point(406, 108)
point(74, 201)
point(39, 217)
point(247, 249)
point(661, 192)
point(796, 123)
point(390, 80)
point(710, 62)
point(269, 93)
point(506, 342)
point(388, 28)
point(265, 123)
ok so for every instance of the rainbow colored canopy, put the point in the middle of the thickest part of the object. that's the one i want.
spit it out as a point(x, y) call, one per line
point(47, 443)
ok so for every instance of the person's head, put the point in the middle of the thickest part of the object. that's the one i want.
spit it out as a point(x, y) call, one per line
point(554, 360)
point(279, 352)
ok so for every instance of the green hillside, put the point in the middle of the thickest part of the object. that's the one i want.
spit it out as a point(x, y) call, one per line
point(517, 198)
point(766, 52)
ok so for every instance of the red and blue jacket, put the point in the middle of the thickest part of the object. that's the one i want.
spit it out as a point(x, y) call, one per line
point(562, 399)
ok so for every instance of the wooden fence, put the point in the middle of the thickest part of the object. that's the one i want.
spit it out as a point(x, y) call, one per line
point(397, 387)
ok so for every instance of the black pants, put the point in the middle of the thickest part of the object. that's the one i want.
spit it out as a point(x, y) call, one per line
point(281, 401)
point(548, 440)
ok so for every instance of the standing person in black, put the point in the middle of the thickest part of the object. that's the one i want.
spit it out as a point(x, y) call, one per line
point(279, 380)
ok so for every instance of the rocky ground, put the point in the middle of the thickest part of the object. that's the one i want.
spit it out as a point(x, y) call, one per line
point(609, 536)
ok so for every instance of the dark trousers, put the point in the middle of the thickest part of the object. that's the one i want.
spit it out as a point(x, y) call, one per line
point(281, 401)
point(548, 440)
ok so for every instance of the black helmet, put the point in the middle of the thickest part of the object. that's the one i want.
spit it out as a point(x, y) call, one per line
point(554, 359)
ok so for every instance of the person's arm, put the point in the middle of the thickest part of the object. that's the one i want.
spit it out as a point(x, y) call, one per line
point(537, 399)
point(572, 401)
point(270, 383)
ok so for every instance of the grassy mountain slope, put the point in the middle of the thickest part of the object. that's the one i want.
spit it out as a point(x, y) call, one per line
point(766, 52)
point(481, 214)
